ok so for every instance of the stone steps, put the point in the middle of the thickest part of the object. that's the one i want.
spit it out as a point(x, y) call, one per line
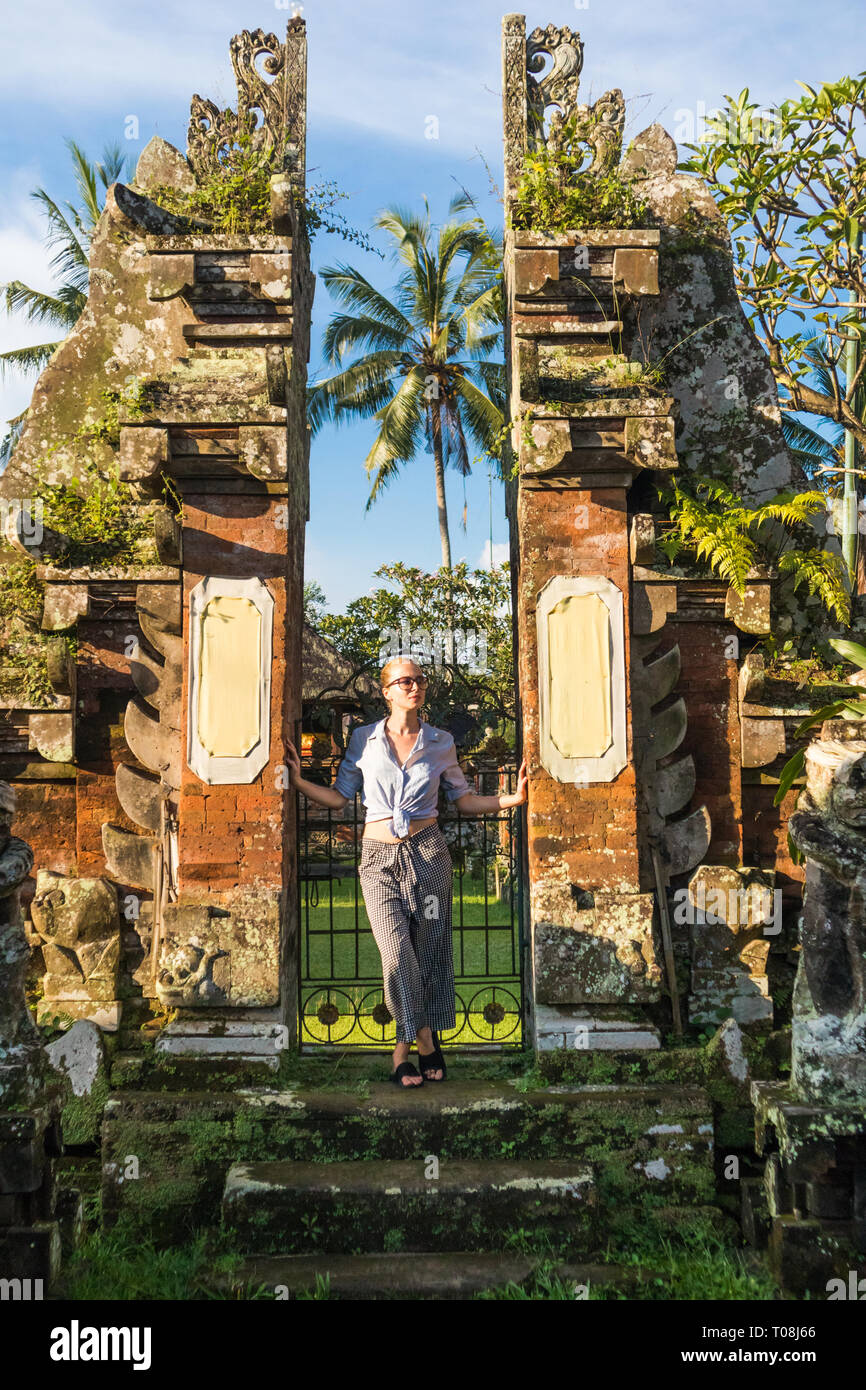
point(647, 1145)
point(400, 1275)
point(363, 1206)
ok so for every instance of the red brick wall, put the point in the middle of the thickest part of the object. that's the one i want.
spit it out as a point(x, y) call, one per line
point(232, 836)
point(708, 684)
point(591, 830)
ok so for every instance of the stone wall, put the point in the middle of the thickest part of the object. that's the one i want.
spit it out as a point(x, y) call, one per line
point(196, 344)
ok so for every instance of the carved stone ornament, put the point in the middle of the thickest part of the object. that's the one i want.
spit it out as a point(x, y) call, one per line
point(599, 127)
point(558, 86)
point(271, 83)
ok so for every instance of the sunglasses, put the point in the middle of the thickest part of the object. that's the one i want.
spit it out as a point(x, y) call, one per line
point(406, 682)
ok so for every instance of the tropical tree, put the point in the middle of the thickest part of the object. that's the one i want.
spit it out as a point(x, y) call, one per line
point(791, 183)
point(457, 623)
point(822, 453)
point(423, 368)
point(70, 229)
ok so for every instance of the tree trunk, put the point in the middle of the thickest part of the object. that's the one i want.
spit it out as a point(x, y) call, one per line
point(439, 468)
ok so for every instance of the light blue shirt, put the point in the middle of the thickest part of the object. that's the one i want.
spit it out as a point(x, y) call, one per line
point(402, 793)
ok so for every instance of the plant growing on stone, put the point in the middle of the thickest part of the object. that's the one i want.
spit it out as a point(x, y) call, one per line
point(853, 708)
point(236, 197)
point(709, 522)
point(556, 193)
point(23, 644)
point(100, 521)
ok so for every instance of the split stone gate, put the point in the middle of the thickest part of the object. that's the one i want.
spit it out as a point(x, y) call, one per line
point(151, 779)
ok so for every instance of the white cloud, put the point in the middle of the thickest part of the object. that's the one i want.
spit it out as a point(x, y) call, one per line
point(23, 256)
point(501, 553)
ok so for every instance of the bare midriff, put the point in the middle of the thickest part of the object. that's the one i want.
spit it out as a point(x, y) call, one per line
point(378, 829)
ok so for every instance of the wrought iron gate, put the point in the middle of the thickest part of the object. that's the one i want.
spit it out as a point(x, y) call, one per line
point(341, 996)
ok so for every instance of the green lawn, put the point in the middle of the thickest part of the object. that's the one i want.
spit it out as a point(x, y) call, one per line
point(341, 969)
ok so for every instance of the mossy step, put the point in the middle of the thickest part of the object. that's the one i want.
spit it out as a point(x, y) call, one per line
point(650, 1145)
point(133, 1066)
point(284, 1208)
point(400, 1275)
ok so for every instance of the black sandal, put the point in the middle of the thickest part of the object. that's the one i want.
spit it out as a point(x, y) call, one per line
point(405, 1069)
point(433, 1061)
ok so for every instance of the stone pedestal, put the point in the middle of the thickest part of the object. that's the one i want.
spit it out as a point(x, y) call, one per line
point(29, 1097)
point(813, 1131)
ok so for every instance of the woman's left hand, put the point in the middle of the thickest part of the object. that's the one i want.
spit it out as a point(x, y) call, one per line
point(518, 797)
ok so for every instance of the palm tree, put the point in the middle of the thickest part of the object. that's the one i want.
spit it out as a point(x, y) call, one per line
point(70, 233)
point(823, 455)
point(423, 372)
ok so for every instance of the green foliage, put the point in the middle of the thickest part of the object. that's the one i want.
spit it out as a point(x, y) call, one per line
point(447, 601)
point(23, 644)
point(99, 519)
point(792, 185)
point(98, 515)
point(235, 198)
point(853, 708)
point(118, 1265)
point(556, 194)
point(710, 522)
point(101, 523)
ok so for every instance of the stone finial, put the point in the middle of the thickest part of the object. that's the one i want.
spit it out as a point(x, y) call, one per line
point(272, 112)
point(559, 85)
point(160, 165)
point(652, 154)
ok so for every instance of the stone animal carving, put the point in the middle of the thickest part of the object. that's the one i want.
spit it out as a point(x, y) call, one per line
point(187, 975)
point(78, 924)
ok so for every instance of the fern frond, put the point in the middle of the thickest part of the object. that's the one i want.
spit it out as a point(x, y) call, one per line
point(825, 575)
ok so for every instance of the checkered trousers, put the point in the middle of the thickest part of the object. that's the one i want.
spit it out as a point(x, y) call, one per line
point(407, 893)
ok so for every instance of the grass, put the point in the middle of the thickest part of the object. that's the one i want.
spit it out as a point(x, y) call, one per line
point(111, 1265)
point(694, 1264)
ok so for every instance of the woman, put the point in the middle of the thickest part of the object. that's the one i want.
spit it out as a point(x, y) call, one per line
point(405, 869)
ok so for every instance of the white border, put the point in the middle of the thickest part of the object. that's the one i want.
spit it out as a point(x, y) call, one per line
point(214, 770)
point(614, 759)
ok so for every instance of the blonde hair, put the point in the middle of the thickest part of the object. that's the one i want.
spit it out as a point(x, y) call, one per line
point(393, 661)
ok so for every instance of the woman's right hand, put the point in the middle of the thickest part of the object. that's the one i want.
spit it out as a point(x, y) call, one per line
point(293, 762)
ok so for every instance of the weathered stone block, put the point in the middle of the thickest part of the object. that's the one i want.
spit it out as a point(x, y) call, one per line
point(264, 451)
point(651, 606)
point(636, 270)
point(762, 741)
point(77, 922)
point(170, 275)
point(272, 272)
point(216, 960)
point(532, 270)
point(64, 605)
point(605, 955)
point(53, 735)
point(143, 452)
point(751, 612)
point(650, 442)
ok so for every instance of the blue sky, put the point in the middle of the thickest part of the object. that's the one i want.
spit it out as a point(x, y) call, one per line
point(377, 71)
